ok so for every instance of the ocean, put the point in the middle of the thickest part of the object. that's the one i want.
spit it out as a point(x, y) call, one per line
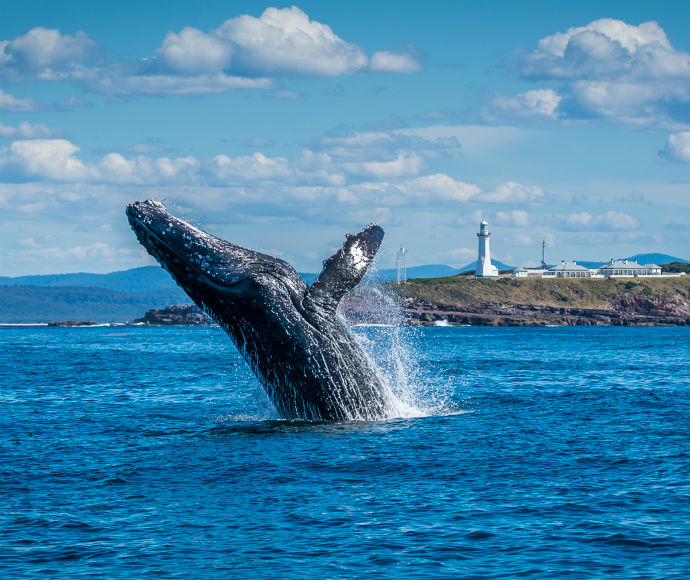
point(129, 452)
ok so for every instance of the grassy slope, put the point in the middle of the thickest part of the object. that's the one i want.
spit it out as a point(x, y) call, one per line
point(572, 293)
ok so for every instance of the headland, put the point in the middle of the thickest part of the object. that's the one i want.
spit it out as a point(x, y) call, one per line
point(506, 301)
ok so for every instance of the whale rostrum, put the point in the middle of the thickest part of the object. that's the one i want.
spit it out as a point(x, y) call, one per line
point(307, 360)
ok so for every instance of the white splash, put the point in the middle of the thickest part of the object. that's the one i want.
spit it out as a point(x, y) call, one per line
point(394, 347)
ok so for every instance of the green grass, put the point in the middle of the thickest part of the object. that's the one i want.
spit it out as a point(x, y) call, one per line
point(559, 292)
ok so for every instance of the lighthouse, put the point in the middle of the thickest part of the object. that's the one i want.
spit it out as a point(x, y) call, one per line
point(484, 266)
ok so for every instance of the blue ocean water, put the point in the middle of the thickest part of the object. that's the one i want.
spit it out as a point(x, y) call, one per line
point(538, 453)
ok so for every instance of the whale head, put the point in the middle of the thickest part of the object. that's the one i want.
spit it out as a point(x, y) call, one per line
point(211, 270)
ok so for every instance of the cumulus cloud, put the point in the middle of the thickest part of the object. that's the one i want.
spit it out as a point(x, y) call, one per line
point(442, 187)
point(193, 52)
point(511, 192)
point(27, 130)
point(429, 142)
point(245, 52)
point(611, 220)
point(535, 104)
point(608, 69)
point(677, 148)
point(314, 177)
point(42, 159)
point(518, 218)
point(257, 168)
point(114, 168)
point(391, 62)
point(603, 49)
point(462, 253)
point(404, 164)
point(10, 103)
point(47, 54)
point(286, 41)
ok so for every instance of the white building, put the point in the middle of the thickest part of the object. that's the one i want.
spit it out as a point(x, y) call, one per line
point(485, 268)
point(614, 269)
point(569, 270)
point(627, 268)
point(528, 273)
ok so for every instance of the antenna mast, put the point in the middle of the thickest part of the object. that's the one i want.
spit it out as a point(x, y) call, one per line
point(543, 248)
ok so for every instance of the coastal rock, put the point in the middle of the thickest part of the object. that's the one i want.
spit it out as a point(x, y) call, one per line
point(180, 315)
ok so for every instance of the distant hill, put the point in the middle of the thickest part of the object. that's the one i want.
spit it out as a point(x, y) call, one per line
point(153, 278)
point(657, 259)
point(25, 304)
point(500, 265)
point(641, 259)
point(428, 271)
point(135, 280)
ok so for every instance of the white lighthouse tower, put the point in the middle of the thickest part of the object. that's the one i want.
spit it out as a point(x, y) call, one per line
point(484, 266)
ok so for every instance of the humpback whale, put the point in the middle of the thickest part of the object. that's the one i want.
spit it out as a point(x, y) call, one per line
point(306, 359)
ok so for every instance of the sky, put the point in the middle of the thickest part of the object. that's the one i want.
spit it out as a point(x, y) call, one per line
point(282, 127)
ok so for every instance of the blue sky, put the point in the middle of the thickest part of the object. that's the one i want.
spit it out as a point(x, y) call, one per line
point(282, 127)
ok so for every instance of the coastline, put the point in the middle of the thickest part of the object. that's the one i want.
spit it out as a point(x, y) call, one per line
point(464, 301)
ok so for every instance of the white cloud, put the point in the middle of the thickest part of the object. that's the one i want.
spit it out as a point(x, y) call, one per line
point(462, 253)
point(286, 41)
point(611, 220)
point(10, 103)
point(535, 104)
point(603, 48)
point(404, 164)
point(441, 187)
point(314, 178)
point(192, 52)
point(473, 139)
point(245, 52)
point(391, 62)
point(117, 83)
point(511, 192)
point(517, 217)
point(42, 159)
point(254, 168)
point(677, 148)
point(93, 251)
point(46, 54)
point(613, 70)
point(27, 130)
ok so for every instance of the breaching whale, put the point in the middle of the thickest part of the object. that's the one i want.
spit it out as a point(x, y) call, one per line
point(307, 360)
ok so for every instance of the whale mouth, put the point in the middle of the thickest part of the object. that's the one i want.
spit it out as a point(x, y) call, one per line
point(193, 256)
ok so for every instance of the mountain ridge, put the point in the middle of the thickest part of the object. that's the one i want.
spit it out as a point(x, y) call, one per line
point(152, 278)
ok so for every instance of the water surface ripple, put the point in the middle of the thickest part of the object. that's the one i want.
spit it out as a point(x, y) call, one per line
point(150, 453)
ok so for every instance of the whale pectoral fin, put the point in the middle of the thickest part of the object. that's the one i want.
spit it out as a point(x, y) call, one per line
point(345, 269)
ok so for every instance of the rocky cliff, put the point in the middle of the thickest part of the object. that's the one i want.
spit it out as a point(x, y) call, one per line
point(535, 302)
